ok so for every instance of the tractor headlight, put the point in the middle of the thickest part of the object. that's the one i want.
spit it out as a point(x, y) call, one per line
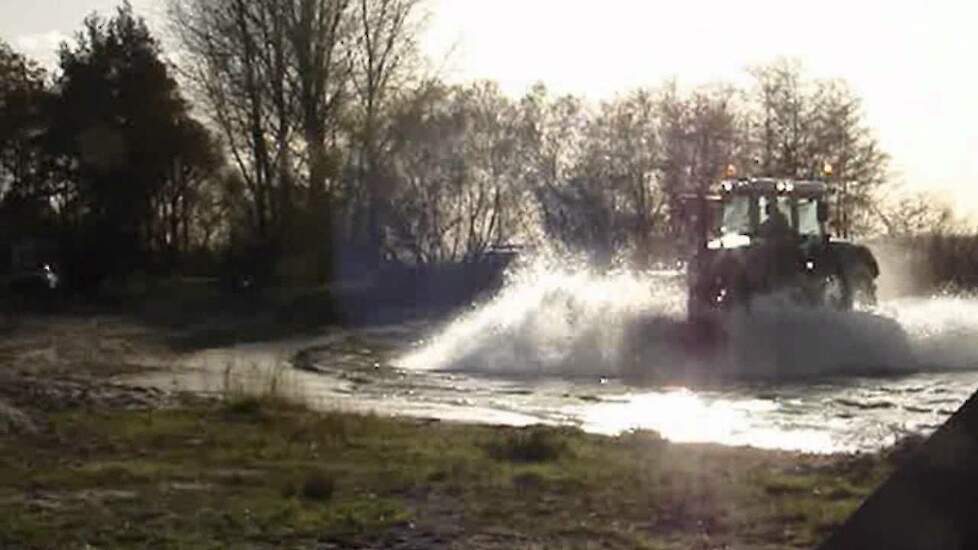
point(810, 265)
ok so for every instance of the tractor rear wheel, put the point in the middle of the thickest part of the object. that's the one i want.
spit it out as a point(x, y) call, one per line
point(861, 286)
point(835, 292)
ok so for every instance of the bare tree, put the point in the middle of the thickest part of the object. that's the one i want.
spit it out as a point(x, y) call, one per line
point(185, 208)
point(843, 141)
point(325, 96)
point(782, 119)
point(701, 134)
point(233, 57)
point(385, 46)
point(799, 125)
point(320, 34)
point(428, 163)
point(458, 162)
point(611, 200)
point(915, 214)
point(552, 134)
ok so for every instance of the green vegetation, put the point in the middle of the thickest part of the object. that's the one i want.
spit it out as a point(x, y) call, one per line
point(253, 471)
point(258, 469)
point(535, 444)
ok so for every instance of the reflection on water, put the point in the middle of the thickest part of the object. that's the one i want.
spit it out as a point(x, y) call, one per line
point(684, 416)
point(840, 414)
point(847, 415)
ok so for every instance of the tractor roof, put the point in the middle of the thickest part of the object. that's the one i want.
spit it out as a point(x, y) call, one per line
point(774, 186)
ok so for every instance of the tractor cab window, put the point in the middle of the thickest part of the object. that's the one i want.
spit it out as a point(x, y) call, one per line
point(808, 224)
point(783, 204)
point(737, 216)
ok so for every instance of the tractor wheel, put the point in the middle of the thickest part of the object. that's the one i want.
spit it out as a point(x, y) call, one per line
point(733, 289)
point(726, 290)
point(861, 286)
point(835, 292)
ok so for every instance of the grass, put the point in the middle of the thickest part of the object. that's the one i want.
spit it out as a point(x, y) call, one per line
point(254, 471)
point(258, 469)
point(534, 444)
point(318, 485)
point(254, 389)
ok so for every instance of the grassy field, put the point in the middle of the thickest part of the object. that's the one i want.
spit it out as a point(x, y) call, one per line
point(89, 463)
point(256, 472)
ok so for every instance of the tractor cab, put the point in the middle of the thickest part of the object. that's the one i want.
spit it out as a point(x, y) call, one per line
point(757, 236)
point(748, 209)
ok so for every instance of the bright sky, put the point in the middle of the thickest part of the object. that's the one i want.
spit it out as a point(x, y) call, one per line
point(912, 62)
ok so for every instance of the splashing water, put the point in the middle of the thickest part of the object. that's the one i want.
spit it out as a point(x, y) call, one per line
point(612, 352)
point(577, 322)
point(943, 330)
point(551, 321)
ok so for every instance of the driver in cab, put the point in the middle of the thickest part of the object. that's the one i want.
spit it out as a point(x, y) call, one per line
point(776, 227)
point(777, 253)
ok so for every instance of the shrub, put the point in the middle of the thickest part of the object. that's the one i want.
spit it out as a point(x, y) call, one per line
point(318, 486)
point(245, 406)
point(534, 444)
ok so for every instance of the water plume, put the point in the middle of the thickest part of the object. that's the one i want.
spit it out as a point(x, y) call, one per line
point(568, 320)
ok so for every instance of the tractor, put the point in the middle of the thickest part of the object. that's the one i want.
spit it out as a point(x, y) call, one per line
point(757, 237)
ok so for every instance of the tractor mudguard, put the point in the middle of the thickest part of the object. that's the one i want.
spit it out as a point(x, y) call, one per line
point(849, 255)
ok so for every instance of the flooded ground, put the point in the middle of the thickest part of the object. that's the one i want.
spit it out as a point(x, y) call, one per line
point(610, 353)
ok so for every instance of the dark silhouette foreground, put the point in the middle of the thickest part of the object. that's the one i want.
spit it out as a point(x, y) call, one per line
point(930, 503)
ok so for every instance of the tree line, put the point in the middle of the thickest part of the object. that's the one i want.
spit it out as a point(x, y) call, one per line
point(307, 138)
point(103, 158)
